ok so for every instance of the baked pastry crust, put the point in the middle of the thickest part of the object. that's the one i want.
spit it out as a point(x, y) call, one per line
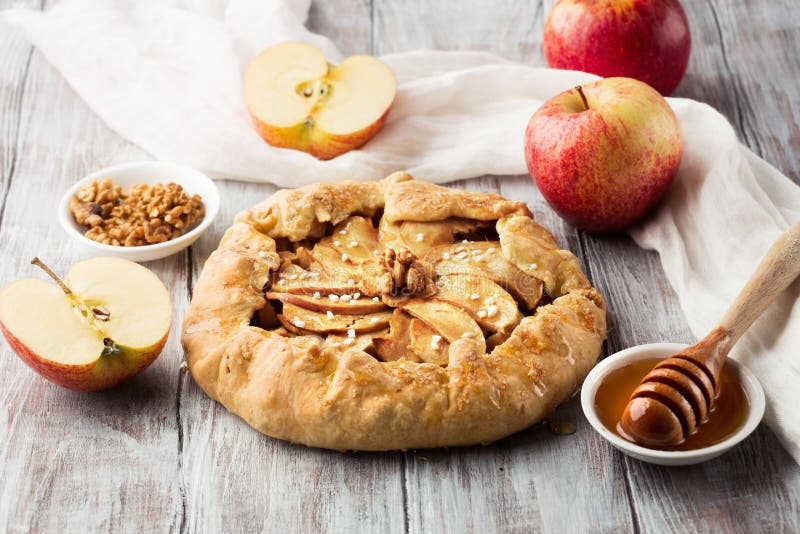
point(324, 393)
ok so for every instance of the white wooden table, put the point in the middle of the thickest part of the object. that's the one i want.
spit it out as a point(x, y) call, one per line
point(157, 455)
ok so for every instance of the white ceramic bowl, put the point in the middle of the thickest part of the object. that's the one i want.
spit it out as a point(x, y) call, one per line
point(148, 172)
point(755, 395)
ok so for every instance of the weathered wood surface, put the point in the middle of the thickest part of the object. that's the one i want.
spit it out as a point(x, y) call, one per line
point(157, 455)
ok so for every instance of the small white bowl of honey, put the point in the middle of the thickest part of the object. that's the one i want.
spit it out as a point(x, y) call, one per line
point(738, 408)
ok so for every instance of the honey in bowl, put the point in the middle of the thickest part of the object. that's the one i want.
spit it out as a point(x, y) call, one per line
point(728, 415)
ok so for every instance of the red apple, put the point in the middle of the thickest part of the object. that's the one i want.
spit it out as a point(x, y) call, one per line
point(644, 39)
point(105, 322)
point(604, 154)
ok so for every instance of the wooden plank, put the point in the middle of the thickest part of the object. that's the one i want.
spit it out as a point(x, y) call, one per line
point(269, 481)
point(511, 29)
point(157, 454)
point(15, 55)
point(348, 23)
point(534, 480)
point(633, 281)
point(745, 63)
point(239, 480)
point(73, 461)
point(645, 309)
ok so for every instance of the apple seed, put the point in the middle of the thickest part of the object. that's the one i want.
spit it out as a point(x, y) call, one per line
point(101, 313)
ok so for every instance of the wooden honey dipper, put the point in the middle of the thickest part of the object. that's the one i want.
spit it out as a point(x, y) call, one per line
point(678, 394)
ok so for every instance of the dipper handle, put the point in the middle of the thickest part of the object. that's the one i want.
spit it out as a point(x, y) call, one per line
point(677, 395)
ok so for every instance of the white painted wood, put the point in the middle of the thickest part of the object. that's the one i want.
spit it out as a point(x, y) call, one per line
point(533, 480)
point(157, 455)
point(240, 480)
point(744, 61)
point(642, 308)
point(15, 53)
point(72, 461)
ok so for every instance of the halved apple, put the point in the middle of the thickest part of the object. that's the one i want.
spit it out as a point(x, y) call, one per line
point(298, 100)
point(107, 322)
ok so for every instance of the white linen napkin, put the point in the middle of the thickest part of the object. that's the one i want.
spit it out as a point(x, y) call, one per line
point(167, 76)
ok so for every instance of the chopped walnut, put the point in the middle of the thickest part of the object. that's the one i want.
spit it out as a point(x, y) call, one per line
point(147, 214)
point(102, 192)
point(94, 201)
point(86, 213)
point(401, 273)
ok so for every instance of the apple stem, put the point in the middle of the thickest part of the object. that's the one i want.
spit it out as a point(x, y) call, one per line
point(583, 97)
point(54, 276)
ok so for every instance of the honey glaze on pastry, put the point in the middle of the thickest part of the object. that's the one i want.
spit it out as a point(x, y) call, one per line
point(391, 315)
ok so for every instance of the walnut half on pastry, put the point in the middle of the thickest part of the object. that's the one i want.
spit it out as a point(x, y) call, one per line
point(391, 315)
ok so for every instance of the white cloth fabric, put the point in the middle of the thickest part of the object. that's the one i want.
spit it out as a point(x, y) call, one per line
point(167, 76)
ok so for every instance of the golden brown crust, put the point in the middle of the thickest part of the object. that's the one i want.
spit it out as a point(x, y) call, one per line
point(309, 390)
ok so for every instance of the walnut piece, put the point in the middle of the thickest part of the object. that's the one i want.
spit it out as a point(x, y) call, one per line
point(401, 274)
point(94, 201)
point(145, 215)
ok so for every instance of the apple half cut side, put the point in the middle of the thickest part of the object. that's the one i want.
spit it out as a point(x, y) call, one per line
point(298, 100)
point(111, 325)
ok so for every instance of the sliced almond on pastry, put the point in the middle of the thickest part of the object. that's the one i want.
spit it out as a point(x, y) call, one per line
point(448, 320)
point(485, 258)
point(429, 346)
point(295, 318)
point(344, 304)
point(486, 302)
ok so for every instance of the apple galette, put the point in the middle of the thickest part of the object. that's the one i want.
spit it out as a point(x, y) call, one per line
point(391, 315)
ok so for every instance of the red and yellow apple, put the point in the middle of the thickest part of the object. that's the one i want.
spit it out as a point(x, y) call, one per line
point(605, 153)
point(644, 39)
point(298, 100)
point(105, 322)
